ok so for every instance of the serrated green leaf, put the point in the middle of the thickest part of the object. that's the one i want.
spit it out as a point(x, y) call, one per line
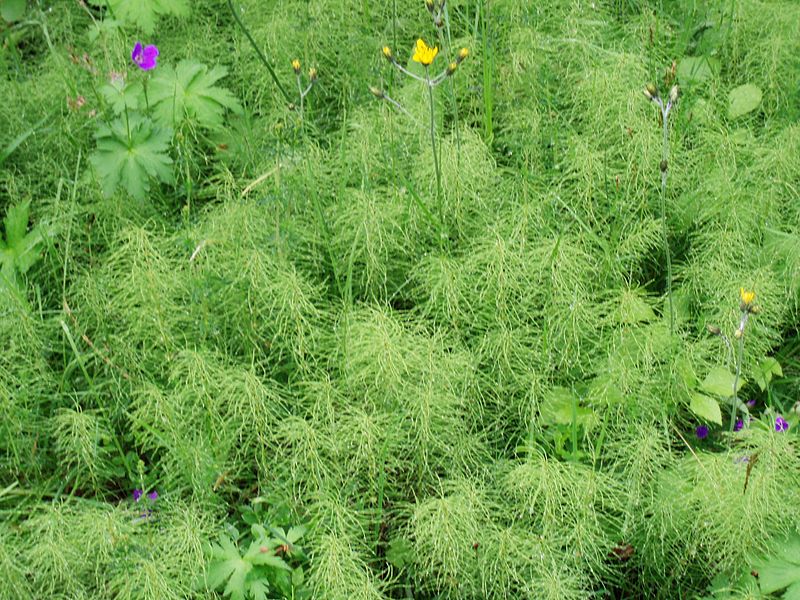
point(719, 382)
point(131, 163)
point(258, 588)
point(19, 251)
point(705, 407)
point(777, 574)
point(190, 92)
point(122, 95)
point(145, 13)
point(16, 223)
point(12, 10)
point(295, 533)
point(743, 99)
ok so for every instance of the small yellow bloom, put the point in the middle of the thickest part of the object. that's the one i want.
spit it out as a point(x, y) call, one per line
point(747, 297)
point(451, 68)
point(387, 53)
point(462, 54)
point(424, 54)
point(312, 74)
point(296, 65)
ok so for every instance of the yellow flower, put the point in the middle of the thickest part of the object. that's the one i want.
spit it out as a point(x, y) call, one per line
point(747, 297)
point(424, 54)
point(296, 65)
point(387, 53)
point(312, 74)
point(462, 54)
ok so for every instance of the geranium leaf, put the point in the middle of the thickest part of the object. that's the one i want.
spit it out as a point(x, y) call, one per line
point(190, 92)
point(144, 13)
point(132, 162)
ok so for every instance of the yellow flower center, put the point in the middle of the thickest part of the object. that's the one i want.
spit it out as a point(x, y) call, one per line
point(747, 297)
point(424, 54)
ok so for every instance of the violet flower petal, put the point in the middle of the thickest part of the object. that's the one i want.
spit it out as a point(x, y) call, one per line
point(137, 495)
point(701, 432)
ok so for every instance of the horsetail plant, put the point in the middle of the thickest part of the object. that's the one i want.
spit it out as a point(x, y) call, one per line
point(665, 105)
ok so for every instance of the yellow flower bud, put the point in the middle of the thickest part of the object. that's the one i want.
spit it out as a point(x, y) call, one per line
point(651, 91)
point(312, 74)
point(387, 53)
point(296, 66)
point(462, 54)
point(378, 93)
point(451, 68)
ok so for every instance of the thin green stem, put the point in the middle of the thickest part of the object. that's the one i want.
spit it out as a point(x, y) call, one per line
point(735, 399)
point(664, 229)
point(435, 154)
point(259, 52)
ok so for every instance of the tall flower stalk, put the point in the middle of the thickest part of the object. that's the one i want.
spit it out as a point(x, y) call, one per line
point(746, 308)
point(665, 106)
point(425, 55)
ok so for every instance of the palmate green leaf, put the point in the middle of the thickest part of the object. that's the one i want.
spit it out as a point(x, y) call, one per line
point(19, 251)
point(122, 95)
point(144, 13)
point(227, 564)
point(131, 163)
point(190, 92)
point(782, 568)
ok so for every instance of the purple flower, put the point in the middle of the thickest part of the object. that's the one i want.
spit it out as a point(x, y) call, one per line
point(153, 496)
point(781, 424)
point(137, 495)
point(738, 426)
point(751, 403)
point(145, 56)
point(701, 432)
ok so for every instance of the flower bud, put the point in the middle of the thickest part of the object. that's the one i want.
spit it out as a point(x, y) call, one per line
point(663, 166)
point(651, 91)
point(451, 68)
point(387, 53)
point(378, 93)
point(312, 74)
point(673, 94)
point(462, 54)
point(430, 5)
point(713, 329)
point(296, 66)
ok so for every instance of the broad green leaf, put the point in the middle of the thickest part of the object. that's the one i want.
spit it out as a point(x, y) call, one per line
point(768, 367)
point(144, 13)
point(131, 163)
point(781, 569)
point(705, 407)
point(557, 409)
point(296, 532)
point(743, 99)
point(190, 92)
point(719, 382)
point(693, 70)
point(122, 95)
point(12, 10)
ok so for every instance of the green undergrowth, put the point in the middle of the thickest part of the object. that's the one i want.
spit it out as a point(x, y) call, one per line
point(470, 391)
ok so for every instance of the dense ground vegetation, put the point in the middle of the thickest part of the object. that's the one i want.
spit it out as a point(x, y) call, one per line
point(265, 348)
